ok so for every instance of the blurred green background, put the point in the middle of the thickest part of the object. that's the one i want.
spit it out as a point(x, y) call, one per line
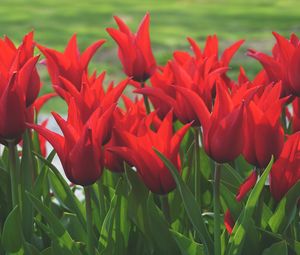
point(54, 22)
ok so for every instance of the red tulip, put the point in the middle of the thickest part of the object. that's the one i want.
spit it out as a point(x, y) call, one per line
point(92, 95)
point(136, 122)
point(284, 64)
point(223, 129)
point(80, 149)
point(19, 84)
point(13, 59)
point(138, 151)
point(161, 82)
point(135, 51)
point(211, 51)
point(70, 64)
point(285, 171)
point(130, 121)
point(165, 96)
point(263, 132)
point(259, 80)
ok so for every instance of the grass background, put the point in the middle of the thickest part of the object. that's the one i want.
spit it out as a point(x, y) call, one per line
point(54, 22)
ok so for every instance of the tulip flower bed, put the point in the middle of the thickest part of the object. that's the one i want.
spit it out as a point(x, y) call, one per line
point(194, 163)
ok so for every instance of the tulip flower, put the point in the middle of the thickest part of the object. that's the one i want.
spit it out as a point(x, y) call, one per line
point(135, 51)
point(223, 128)
point(14, 58)
point(263, 132)
point(135, 121)
point(285, 171)
point(283, 65)
point(92, 95)
point(138, 151)
point(80, 148)
point(164, 95)
point(161, 82)
point(259, 80)
point(211, 51)
point(130, 121)
point(14, 108)
point(70, 64)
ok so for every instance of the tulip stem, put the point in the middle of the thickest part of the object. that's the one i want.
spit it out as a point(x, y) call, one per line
point(102, 207)
point(166, 207)
point(217, 222)
point(283, 118)
point(146, 101)
point(196, 166)
point(13, 174)
point(89, 220)
point(14, 179)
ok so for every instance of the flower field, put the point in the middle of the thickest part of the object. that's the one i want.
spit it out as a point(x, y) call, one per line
point(187, 161)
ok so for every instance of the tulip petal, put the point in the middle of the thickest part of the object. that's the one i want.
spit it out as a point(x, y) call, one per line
point(228, 222)
point(56, 140)
point(230, 51)
point(246, 186)
point(89, 52)
point(196, 49)
point(39, 102)
point(197, 104)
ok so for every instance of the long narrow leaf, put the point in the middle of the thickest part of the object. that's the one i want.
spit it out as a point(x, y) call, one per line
point(192, 208)
point(73, 202)
point(238, 236)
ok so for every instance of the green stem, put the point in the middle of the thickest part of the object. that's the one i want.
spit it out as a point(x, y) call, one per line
point(196, 166)
point(217, 222)
point(260, 206)
point(102, 204)
point(166, 208)
point(297, 220)
point(89, 219)
point(283, 119)
point(14, 179)
point(13, 174)
point(146, 101)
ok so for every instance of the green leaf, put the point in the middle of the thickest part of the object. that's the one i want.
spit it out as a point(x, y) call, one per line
point(159, 229)
point(266, 215)
point(137, 212)
point(65, 240)
point(107, 237)
point(12, 235)
point(63, 192)
point(191, 206)
point(41, 181)
point(231, 177)
point(229, 199)
point(27, 172)
point(186, 245)
point(286, 210)
point(47, 251)
point(72, 225)
point(295, 245)
point(32, 249)
point(239, 234)
point(277, 248)
point(4, 179)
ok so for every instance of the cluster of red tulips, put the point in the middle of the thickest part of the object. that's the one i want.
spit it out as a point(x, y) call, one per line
point(148, 166)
